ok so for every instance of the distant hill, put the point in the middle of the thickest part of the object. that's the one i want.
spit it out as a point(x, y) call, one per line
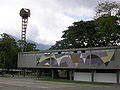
point(40, 46)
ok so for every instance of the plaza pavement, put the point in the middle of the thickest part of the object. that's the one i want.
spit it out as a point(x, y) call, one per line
point(13, 83)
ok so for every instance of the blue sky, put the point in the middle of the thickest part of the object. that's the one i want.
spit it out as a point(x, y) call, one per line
point(79, 17)
point(48, 17)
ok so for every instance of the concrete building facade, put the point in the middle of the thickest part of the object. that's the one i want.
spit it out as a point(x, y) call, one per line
point(99, 64)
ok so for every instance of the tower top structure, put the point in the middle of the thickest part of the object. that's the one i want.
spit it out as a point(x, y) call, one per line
point(25, 13)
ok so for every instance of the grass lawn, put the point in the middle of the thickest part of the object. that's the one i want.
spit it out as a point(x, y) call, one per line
point(5, 76)
point(78, 82)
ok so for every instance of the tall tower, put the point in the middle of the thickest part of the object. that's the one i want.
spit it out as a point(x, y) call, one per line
point(24, 13)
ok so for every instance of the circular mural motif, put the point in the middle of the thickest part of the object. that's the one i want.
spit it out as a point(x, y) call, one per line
point(94, 60)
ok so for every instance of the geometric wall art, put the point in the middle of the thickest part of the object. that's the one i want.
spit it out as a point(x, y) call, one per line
point(97, 58)
point(46, 60)
point(73, 60)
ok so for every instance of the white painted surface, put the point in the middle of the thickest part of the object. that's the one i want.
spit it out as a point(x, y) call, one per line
point(105, 77)
point(98, 77)
point(80, 76)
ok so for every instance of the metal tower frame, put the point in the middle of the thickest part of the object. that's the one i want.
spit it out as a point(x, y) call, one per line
point(24, 27)
point(24, 13)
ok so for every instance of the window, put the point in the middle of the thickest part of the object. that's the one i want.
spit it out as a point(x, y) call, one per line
point(83, 51)
point(75, 51)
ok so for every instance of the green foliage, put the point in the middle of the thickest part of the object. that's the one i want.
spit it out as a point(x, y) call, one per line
point(9, 49)
point(30, 47)
point(107, 8)
point(26, 46)
point(80, 34)
point(102, 31)
point(109, 30)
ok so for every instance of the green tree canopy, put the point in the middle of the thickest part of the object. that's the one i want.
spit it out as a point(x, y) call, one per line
point(107, 8)
point(102, 31)
point(80, 34)
point(109, 30)
point(27, 46)
point(9, 49)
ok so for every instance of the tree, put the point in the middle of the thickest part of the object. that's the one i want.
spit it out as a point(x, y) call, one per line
point(80, 34)
point(108, 23)
point(109, 30)
point(8, 51)
point(63, 44)
point(104, 30)
point(27, 46)
point(30, 47)
point(107, 8)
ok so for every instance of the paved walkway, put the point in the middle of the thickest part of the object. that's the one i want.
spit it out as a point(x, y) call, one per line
point(31, 84)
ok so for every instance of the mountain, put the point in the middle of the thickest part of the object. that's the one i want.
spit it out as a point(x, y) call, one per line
point(40, 46)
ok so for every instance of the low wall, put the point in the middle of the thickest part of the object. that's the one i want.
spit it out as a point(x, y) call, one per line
point(105, 77)
point(97, 77)
point(80, 76)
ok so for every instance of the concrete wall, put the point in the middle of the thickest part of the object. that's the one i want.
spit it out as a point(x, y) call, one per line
point(98, 77)
point(109, 58)
point(105, 77)
point(81, 76)
point(27, 60)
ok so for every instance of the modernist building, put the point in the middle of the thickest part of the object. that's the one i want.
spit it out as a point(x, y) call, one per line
point(99, 64)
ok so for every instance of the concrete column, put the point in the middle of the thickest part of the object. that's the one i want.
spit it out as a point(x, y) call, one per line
point(117, 76)
point(19, 71)
point(116, 61)
point(40, 72)
point(37, 73)
point(24, 71)
point(92, 75)
point(70, 74)
point(90, 61)
point(73, 74)
point(50, 60)
point(52, 73)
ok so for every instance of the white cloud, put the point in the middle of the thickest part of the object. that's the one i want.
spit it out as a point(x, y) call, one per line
point(50, 26)
point(48, 17)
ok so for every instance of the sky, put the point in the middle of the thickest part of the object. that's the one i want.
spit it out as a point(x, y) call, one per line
point(48, 17)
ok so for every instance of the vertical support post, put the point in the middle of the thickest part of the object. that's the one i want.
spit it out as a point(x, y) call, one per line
point(92, 75)
point(70, 74)
point(37, 73)
point(90, 58)
point(116, 62)
point(52, 73)
point(19, 72)
point(73, 74)
point(27, 71)
point(50, 60)
point(24, 72)
point(117, 76)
